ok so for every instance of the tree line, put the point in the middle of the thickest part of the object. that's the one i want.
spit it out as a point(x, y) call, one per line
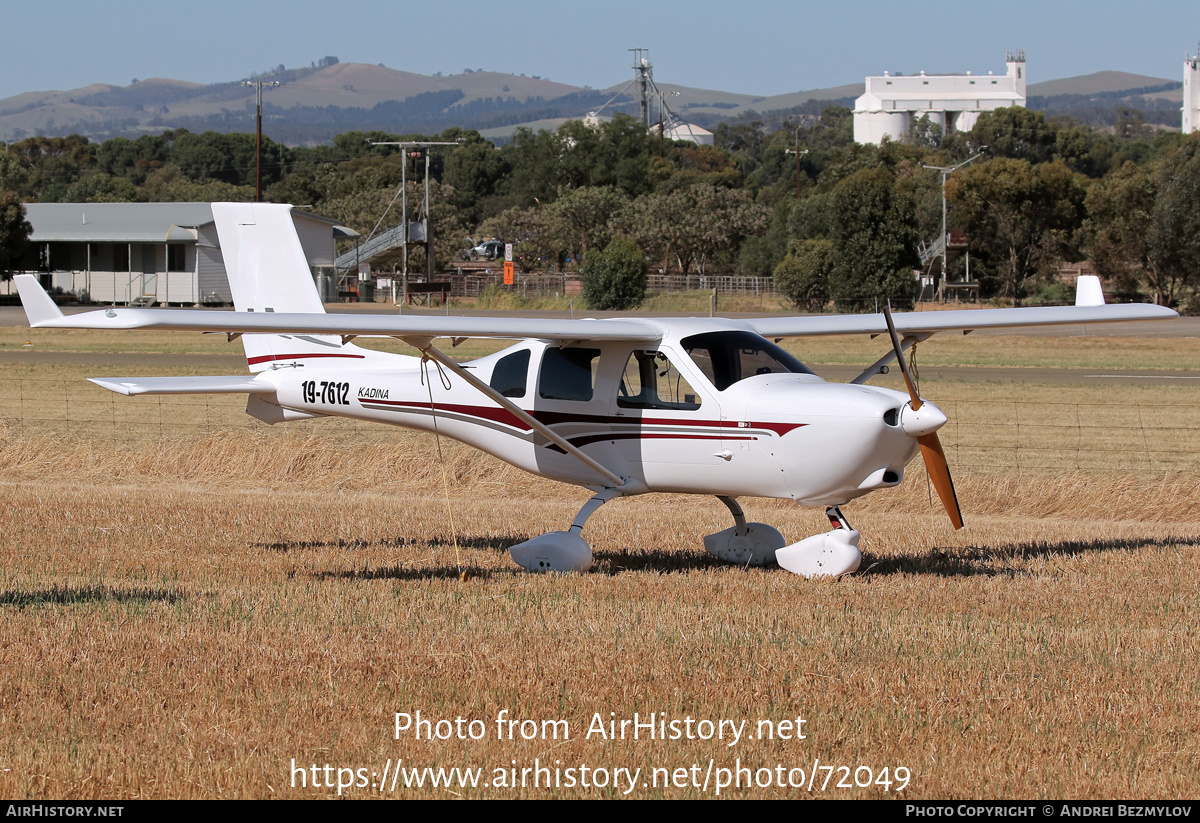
point(836, 223)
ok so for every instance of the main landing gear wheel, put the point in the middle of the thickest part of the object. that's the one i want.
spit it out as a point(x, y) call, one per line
point(745, 544)
point(562, 551)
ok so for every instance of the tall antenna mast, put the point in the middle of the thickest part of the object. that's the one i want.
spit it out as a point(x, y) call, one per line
point(643, 75)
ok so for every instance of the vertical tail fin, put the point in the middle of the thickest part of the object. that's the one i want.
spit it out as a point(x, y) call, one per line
point(264, 259)
point(268, 272)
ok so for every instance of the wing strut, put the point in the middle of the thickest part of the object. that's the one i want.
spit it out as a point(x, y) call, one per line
point(879, 366)
point(427, 348)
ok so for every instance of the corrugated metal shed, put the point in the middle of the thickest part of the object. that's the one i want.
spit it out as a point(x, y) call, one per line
point(147, 252)
point(132, 222)
point(116, 222)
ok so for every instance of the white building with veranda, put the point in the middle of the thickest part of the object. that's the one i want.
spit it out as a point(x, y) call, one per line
point(891, 104)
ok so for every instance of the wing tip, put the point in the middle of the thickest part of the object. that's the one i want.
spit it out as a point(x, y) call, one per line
point(1089, 291)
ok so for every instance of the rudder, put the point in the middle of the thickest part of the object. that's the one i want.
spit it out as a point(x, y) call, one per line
point(268, 272)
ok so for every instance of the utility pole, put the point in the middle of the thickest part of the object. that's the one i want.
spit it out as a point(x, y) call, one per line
point(946, 172)
point(258, 131)
point(799, 154)
point(423, 147)
point(662, 107)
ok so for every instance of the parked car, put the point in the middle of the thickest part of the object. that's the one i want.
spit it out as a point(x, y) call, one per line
point(487, 250)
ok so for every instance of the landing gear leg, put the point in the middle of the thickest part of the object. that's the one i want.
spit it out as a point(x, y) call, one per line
point(747, 544)
point(562, 551)
point(837, 519)
point(824, 555)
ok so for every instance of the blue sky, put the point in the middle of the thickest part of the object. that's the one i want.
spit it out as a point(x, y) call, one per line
point(751, 46)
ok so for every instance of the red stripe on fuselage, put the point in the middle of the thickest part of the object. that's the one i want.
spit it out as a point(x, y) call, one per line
point(580, 442)
point(495, 415)
point(501, 415)
point(266, 358)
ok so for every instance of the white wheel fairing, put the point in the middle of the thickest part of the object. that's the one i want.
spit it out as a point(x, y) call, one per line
point(553, 552)
point(755, 546)
point(824, 555)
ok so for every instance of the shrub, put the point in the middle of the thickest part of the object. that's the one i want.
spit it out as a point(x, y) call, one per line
point(615, 279)
point(803, 276)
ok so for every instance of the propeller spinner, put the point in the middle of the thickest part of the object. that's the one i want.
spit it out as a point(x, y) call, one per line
point(922, 420)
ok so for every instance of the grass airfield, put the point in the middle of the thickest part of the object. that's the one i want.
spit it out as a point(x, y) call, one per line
point(195, 606)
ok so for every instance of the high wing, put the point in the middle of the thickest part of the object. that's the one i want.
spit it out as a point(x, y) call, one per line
point(930, 322)
point(43, 313)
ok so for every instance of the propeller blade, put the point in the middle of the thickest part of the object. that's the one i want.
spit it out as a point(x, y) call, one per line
point(912, 390)
point(931, 447)
point(939, 473)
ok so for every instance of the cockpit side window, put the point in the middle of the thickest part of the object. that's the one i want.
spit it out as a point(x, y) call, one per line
point(510, 373)
point(727, 357)
point(651, 381)
point(568, 374)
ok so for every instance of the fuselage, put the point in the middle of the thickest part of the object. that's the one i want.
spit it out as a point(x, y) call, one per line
point(711, 409)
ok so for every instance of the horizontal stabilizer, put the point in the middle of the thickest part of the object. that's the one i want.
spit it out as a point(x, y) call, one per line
point(232, 384)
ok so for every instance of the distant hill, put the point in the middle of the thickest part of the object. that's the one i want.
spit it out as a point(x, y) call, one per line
point(1101, 82)
point(312, 105)
point(1095, 99)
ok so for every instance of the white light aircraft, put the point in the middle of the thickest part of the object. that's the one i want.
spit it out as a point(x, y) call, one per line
point(619, 406)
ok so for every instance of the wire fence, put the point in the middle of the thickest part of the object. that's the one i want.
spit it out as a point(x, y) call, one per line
point(1111, 437)
point(985, 435)
point(79, 410)
point(472, 283)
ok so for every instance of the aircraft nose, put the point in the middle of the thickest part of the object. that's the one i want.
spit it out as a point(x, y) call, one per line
point(921, 421)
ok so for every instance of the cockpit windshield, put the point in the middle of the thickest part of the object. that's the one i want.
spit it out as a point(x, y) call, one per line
point(726, 357)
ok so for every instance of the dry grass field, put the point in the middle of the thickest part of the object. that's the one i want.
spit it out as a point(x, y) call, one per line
point(197, 607)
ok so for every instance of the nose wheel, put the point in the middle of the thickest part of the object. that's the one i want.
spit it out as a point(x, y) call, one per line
point(824, 555)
